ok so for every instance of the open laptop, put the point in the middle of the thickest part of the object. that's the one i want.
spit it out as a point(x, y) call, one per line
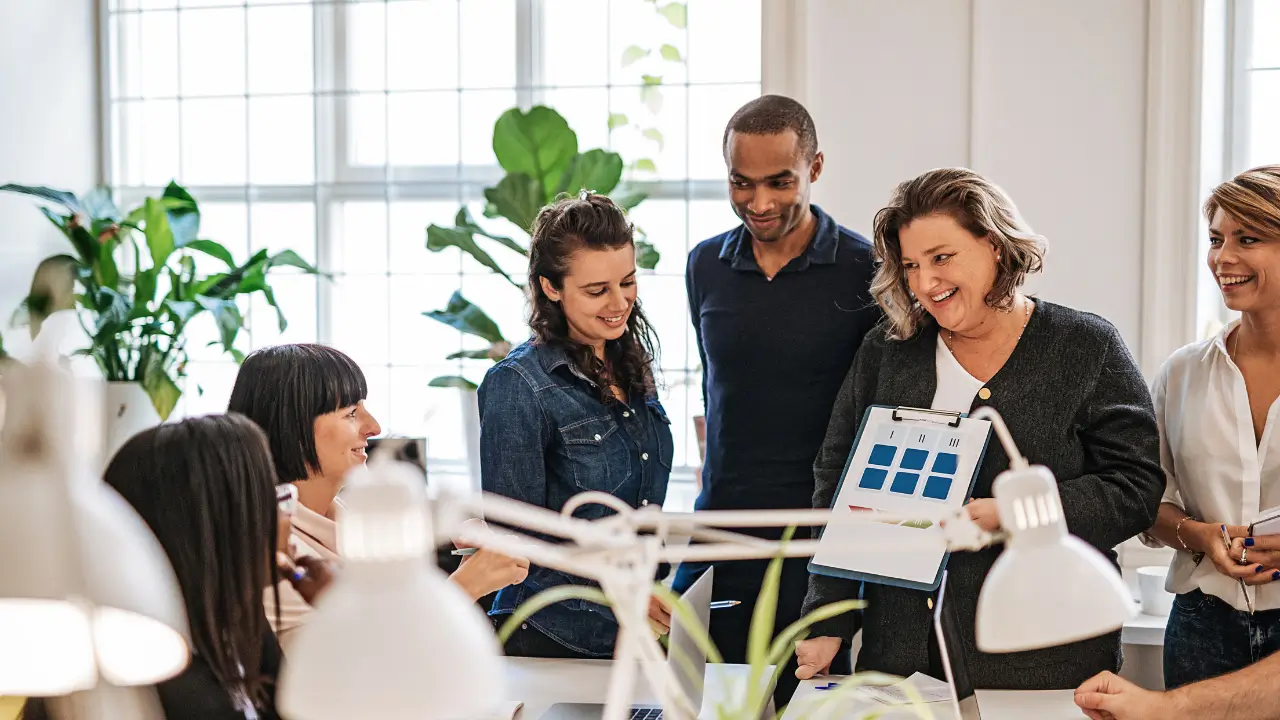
point(680, 645)
point(964, 701)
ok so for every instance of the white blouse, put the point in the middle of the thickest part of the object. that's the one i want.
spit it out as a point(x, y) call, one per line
point(1216, 471)
point(956, 387)
point(314, 535)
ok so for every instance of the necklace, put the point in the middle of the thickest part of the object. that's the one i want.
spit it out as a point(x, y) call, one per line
point(951, 334)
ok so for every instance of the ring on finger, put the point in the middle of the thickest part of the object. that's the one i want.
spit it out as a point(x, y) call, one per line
point(1244, 552)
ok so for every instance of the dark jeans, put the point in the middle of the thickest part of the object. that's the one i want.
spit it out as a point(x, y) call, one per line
point(1206, 637)
point(529, 641)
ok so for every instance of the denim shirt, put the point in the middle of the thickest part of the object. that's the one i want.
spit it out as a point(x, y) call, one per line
point(545, 436)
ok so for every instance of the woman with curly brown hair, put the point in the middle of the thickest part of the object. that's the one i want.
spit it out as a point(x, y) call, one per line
point(575, 408)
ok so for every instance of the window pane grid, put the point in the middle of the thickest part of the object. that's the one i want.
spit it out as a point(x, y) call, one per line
point(342, 128)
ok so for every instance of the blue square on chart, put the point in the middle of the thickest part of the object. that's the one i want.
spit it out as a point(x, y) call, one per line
point(882, 455)
point(937, 488)
point(914, 459)
point(873, 478)
point(946, 463)
point(904, 483)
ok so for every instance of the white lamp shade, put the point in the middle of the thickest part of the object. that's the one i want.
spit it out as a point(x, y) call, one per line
point(140, 622)
point(1048, 587)
point(393, 638)
point(1039, 597)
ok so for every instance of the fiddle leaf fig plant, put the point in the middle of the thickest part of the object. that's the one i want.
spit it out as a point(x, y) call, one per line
point(131, 281)
point(539, 153)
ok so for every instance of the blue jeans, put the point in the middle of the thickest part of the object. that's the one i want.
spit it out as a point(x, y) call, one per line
point(1206, 637)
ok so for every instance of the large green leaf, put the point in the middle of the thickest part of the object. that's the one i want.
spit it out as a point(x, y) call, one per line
point(452, 381)
point(538, 143)
point(595, 170)
point(60, 197)
point(289, 258)
point(99, 205)
point(226, 313)
point(439, 238)
point(159, 235)
point(464, 220)
point(181, 310)
point(113, 313)
point(212, 249)
point(629, 198)
point(518, 198)
point(462, 315)
point(647, 256)
point(184, 217)
point(144, 292)
point(161, 388)
point(282, 324)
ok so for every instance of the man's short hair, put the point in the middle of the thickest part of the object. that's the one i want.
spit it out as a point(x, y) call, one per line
point(771, 115)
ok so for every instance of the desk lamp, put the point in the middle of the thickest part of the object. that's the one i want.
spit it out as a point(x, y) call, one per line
point(622, 553)
point(86, 591)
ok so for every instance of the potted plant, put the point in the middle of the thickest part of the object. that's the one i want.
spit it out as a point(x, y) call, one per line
point(767, 651)
point(539, 153)
point(131, 282)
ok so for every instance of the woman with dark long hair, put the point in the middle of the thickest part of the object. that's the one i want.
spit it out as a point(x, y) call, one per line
point(575, 408)
point(205, 486)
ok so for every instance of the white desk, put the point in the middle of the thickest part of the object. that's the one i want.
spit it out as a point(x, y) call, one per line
point(541, 682)
point(994, 704)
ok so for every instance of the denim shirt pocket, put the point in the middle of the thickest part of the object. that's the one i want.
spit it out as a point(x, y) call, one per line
point(597, 454)
point(662, 433)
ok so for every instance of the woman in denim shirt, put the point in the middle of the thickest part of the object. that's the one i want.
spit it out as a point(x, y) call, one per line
point(575, 408)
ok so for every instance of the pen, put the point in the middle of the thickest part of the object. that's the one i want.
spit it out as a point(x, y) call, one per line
point(1226, 539)
point(722, 604)
point(465, 551)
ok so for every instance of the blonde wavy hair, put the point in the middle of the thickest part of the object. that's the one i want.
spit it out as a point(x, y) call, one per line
point(981, 208)
point(1252, 198)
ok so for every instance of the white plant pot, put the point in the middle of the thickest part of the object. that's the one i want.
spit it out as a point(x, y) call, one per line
point(470, 402)
point(127, 411)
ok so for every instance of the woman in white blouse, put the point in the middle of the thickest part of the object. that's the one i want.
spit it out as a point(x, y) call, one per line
point(1216, 406)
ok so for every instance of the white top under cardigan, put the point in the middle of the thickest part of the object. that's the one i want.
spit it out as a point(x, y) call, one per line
point(956, 387)
point(1216, 471)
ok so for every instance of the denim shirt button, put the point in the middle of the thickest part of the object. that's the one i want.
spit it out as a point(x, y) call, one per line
point(626, 413)
point(644, 456)
point(597, 437)
point(644, 503)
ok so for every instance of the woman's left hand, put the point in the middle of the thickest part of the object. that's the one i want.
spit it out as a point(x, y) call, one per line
point(983, 513)
point(1262, 556)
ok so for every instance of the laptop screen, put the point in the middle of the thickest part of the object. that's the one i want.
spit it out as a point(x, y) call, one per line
point(951, 648)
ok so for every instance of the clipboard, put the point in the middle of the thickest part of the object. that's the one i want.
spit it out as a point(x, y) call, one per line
point(912, 462)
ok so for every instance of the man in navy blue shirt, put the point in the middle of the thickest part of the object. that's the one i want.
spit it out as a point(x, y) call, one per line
point(780, 305)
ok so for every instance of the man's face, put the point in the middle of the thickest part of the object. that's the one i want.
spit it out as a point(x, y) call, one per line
point(769, 182)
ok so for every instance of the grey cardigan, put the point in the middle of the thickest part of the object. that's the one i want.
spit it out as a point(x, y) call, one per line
point(1074, 401)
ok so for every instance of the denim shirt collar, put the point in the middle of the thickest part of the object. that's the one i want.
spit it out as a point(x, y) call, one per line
point(552, 356)
point(821, 250)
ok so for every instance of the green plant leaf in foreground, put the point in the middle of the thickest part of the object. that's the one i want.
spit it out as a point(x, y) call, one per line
point(161, 388)
point(518, 198)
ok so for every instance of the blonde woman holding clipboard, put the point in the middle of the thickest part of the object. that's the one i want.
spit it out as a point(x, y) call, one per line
point(1216, 404)
point(959, 333)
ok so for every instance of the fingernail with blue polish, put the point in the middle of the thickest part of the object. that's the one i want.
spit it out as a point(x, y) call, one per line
point(1275, 575)
point(1259, 569)
point(1248, 542)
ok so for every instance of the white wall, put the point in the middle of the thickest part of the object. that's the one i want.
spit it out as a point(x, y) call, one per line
point(1045, 98)
point(48, 129)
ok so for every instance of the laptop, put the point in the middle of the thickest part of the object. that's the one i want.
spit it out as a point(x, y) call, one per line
point(690, 675)
point(964, 701)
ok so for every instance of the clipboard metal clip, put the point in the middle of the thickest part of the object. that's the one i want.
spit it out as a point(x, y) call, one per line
point(944, 417)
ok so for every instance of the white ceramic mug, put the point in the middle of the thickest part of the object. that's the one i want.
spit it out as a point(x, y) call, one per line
point(1155, 599)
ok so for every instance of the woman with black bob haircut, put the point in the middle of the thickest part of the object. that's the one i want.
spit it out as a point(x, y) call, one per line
point(575, 408)
point(205, 487)
point(309, 400)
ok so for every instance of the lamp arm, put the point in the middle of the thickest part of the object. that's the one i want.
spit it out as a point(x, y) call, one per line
point(1016, 460)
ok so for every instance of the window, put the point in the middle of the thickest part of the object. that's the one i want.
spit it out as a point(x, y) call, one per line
point(1243, 32)
point(342, 129)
